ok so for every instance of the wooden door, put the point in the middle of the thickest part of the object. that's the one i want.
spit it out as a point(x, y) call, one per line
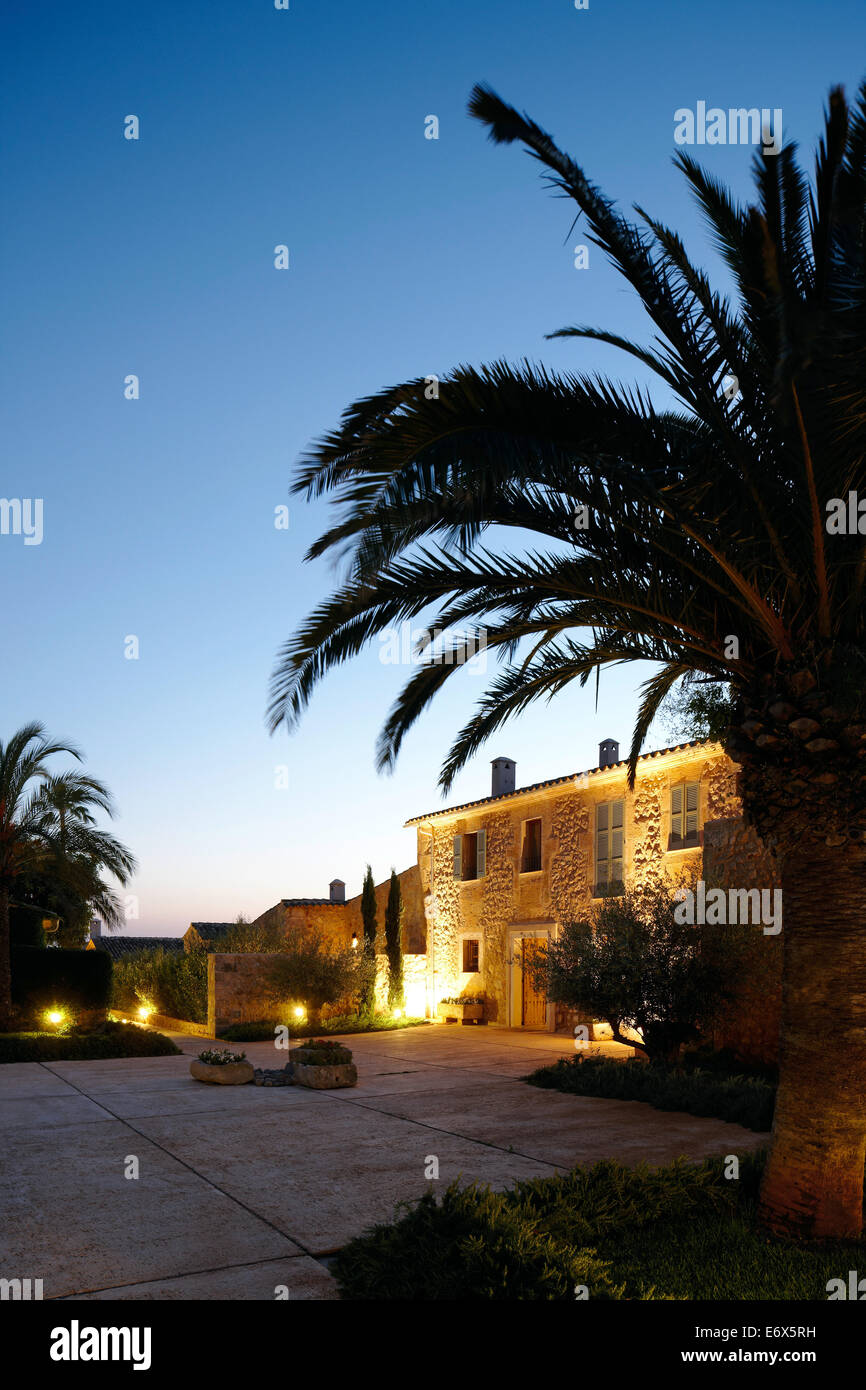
point(534, 1011)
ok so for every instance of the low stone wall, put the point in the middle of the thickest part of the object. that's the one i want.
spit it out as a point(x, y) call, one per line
point(177, 1025)
point(235, 993)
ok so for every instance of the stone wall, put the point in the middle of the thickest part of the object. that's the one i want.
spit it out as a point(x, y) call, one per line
point(234, 988)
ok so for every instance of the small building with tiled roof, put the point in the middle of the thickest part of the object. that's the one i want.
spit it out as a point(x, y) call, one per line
point(119, 946)
point(204, 935)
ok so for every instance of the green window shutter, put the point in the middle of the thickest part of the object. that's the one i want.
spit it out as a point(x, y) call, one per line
point(677, 812)
point(616, 842)
point(482, 853)
point(692, 809)
point(458, 856)
point(601, 845)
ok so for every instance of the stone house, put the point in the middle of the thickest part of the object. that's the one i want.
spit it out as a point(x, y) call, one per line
point(500, 875)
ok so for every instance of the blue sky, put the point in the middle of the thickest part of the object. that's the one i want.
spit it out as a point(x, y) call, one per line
point(408, 256)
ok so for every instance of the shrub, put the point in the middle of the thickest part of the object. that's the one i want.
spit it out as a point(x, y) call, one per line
point(742, 1100)
point(473, 1244)
point(73, 980)
point(174, 983)
point(111, 1040)
point(630, 962)
point(310, 970)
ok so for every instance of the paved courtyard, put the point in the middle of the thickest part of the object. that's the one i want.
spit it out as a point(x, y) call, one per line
point(241, 1189)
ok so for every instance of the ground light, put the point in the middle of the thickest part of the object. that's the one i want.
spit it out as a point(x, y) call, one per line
point(299, 1012)
point(145, 1012)
point(54, 1016)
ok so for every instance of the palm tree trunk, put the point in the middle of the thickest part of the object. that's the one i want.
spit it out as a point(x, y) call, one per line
point(5, 966)
point(813, 1183)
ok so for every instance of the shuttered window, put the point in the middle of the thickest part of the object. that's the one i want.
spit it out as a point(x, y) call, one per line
point(471, 955)
point(530, 859)
point(609, 847)
point(470, 855)
point(685, 815)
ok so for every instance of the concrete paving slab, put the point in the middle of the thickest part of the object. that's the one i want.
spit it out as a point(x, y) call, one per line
point(51, 1111)
point(323, 1173)
point(31, 1079)
point(568, 1130)
point(72, 1219)
point(304, 1279)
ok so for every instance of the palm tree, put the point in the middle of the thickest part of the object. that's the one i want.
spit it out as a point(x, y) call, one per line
point(77, 853)
point(692, 537)
point(47, 837)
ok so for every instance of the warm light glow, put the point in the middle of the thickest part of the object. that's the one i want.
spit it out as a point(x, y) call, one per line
point(398, 1013)
point(299, 1012)
point(145, 1012)
point(354, 943)
point(416, 999)
point(55, 1016)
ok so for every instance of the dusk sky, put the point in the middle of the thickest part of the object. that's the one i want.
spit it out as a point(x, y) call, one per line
point(408, 256)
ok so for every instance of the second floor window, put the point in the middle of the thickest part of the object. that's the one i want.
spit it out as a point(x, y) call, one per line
point(609, 846)
point(470, 855)
point(685, 815)
point(530, 858)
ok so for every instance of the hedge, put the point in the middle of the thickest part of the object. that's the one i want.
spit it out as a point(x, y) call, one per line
point(71, 980)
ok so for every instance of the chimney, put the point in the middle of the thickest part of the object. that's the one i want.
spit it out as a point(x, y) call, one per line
point(504, 773)
point(338, 890)
point(608, 752)
point(95, 929)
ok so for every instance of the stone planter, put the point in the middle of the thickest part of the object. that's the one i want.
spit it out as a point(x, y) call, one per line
point(230, 1074)
point(326, 1078)
point(461, 1013)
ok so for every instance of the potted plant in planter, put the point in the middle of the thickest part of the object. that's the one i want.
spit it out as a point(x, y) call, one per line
point(466, 1009)
point(324, 1066)
point(222, 1067)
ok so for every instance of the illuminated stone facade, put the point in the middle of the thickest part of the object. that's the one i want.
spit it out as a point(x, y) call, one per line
point(514, 898)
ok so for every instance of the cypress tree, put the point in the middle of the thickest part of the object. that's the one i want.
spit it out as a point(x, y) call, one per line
point(393, 943)
point(368, 917)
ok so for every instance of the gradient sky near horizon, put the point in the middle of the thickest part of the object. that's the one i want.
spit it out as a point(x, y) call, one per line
point(408, 256)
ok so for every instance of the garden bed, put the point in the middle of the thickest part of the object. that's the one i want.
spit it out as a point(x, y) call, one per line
point(742, 1100)
point(111, 1040)
point(605, 1232)
point(263, 1030)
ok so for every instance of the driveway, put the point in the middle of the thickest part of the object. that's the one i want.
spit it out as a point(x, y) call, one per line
point(126, 1179)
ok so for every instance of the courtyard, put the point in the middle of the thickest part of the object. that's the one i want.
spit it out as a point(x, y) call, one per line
point(126, 1179)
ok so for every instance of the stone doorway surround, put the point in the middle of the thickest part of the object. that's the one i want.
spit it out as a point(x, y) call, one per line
point(542, 930)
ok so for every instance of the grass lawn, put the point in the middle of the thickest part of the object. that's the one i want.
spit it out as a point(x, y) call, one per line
point(110, 1040)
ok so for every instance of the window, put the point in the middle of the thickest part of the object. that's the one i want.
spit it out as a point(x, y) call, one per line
point(471, 955)
point(530, 859)
point(608, 848)
point(685, 814)
point(470, 855)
